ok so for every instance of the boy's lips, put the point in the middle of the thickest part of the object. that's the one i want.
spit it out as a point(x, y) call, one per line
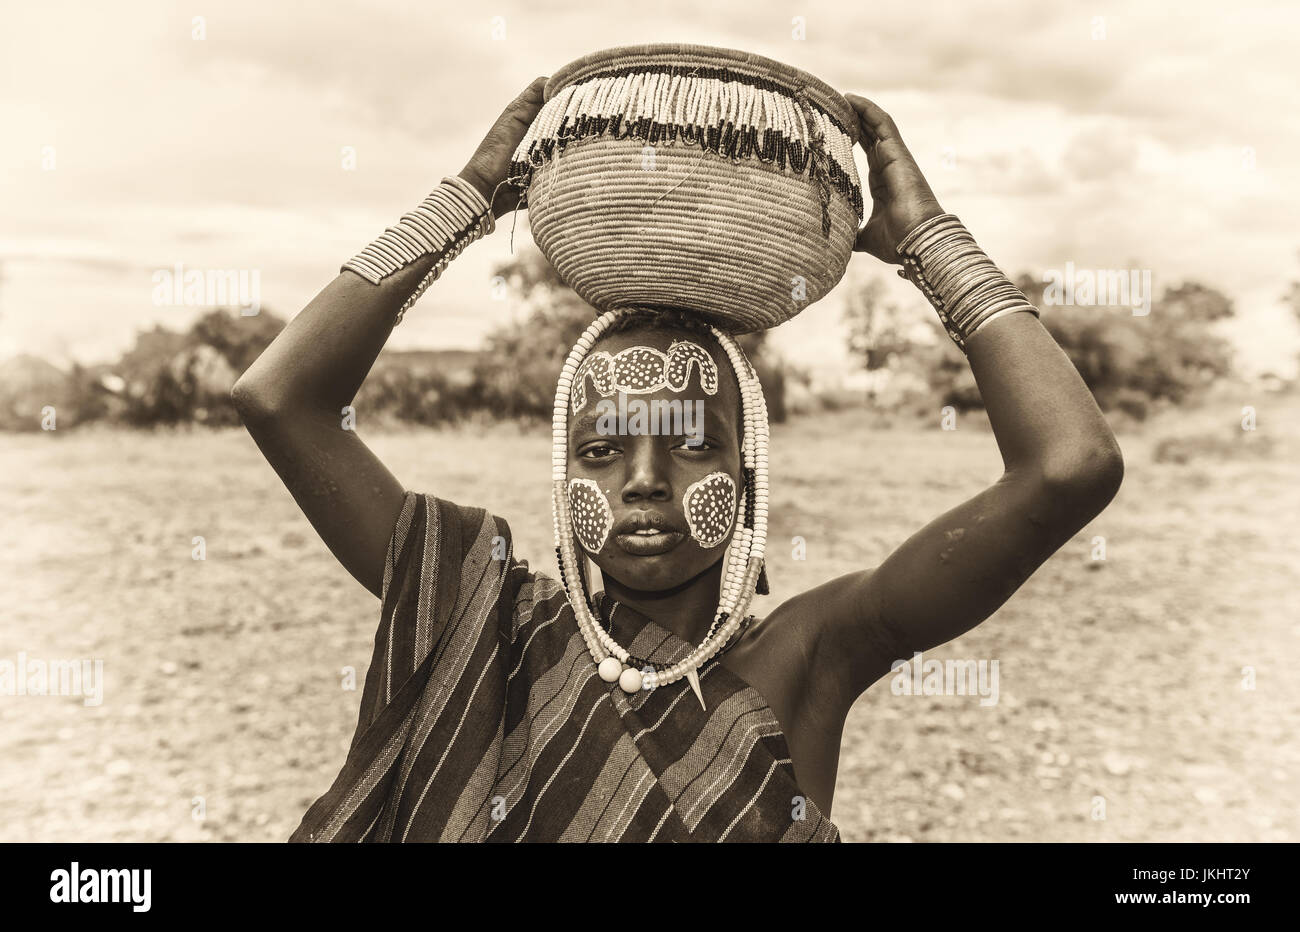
point(646, 543)
point(647, 533)
point(648, 521)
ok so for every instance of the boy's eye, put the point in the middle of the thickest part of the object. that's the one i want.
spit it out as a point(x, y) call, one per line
point(695, 447)
point(599, 452)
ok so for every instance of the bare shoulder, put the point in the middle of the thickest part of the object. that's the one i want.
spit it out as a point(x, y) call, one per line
point(823, 639)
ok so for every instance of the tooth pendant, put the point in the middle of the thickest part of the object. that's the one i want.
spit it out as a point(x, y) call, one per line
point(694, 678)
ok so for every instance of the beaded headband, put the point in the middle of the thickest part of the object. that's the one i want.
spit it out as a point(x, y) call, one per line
point(743, 574)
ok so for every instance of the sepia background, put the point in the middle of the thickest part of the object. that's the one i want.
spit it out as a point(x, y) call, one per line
point(1147, 672)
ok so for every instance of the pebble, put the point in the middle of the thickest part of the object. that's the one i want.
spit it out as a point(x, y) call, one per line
point(1116, 764)
point(1206, 796)
point(118, 768)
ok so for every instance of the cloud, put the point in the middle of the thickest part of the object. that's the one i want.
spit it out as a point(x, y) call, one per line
point(1101, 153)
point(1166, 140)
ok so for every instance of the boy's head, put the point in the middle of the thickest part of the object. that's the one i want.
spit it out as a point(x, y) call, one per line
point(654, 450)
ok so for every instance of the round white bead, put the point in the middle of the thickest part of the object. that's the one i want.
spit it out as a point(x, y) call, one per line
point(630, 680)
point(610, 669)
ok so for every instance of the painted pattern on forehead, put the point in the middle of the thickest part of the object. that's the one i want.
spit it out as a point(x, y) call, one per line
point(644, 369)
point(591, 514)
point(710, 506)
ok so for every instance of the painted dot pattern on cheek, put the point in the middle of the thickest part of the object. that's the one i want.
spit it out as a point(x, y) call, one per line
point(710, 506)
point(592, 516)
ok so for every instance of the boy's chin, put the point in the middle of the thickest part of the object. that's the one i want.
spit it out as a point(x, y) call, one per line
point(657, 573)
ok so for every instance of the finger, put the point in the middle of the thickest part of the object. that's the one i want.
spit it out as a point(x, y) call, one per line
point(530, 98)
point(863, 240)
point(526, 106)
point(873, 156)
point(888, 145)
point(536, 89)
point(866, 136)
point(871, 239)
point(878, 124)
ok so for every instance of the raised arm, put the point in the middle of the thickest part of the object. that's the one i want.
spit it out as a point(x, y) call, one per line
point(291, 399)
point(1062, 467)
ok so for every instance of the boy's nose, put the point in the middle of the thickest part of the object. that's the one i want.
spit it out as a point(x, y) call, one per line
point(647, 477)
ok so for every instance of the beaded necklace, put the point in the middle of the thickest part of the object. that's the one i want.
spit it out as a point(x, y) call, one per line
point(743, 573)
point(642, 664)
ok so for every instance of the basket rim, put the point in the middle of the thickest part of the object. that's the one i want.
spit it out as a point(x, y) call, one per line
point(679, 53)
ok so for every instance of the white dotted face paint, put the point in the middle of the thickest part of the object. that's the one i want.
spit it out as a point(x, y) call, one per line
point(639, 370)
point(592, 516)
point(710, 507)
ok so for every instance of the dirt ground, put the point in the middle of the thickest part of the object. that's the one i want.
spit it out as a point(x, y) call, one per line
point(1123, 710)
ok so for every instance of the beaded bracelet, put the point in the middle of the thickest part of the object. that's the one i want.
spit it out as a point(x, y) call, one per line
point(958, 279)
point(449, 219)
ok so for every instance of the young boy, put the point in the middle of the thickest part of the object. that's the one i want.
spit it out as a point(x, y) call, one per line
point(484, 717)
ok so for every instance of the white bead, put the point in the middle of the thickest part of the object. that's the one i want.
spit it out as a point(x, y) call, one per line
point(609, 669)
point(630, 680)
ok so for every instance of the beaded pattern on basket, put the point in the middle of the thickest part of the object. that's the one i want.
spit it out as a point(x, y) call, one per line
point(691, 186)
point(744, 556)
point(729, 113)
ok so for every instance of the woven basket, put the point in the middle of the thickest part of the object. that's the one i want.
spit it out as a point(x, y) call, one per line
point(683, 176)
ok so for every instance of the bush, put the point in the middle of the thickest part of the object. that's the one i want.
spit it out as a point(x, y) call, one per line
point(173, 377)
point(1129, 363)
point(515, 377)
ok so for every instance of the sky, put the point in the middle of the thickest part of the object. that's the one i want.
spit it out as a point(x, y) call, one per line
point(280, 138)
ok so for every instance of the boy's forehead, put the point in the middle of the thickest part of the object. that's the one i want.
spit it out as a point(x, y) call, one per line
point(662, 340)
point(725, 403)
point(655, 337)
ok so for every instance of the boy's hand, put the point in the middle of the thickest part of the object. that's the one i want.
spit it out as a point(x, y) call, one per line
point(490, 163)
point(901, 197)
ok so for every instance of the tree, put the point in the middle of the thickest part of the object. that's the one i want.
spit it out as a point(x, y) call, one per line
point(1292, 299)
point(907, 346)
point(877, 327)
point(516, 375)
point(1130, 361)
point(240, 339)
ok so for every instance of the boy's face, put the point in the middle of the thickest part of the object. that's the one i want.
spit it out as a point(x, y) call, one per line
point(654, 475)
